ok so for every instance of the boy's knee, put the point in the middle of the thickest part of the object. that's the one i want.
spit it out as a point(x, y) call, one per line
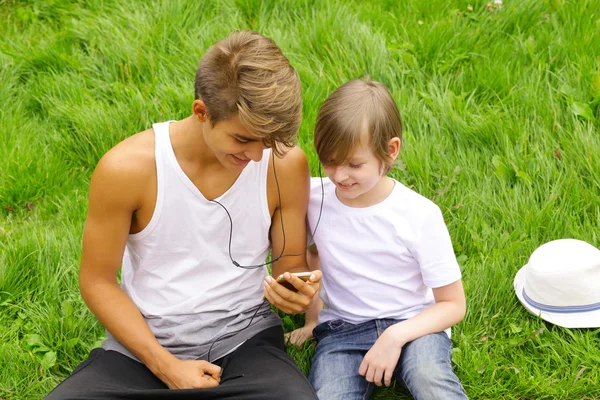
point(433, 381)
point(424, 374)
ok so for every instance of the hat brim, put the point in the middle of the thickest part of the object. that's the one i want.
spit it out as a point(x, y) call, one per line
point(589, 319)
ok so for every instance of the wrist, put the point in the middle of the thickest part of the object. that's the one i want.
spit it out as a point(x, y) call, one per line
point(310, 323)
point(397, 334)
point(160, 363)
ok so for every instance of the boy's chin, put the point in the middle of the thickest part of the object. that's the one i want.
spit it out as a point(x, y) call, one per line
point(350, 195)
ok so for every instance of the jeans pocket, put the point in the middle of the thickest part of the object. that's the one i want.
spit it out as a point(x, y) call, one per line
point(320, 331)
point(327, 328)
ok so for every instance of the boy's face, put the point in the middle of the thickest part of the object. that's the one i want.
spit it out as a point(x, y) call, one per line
point(357, 179)
point(232, 144)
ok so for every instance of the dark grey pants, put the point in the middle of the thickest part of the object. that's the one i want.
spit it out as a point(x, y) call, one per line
point(259, 369)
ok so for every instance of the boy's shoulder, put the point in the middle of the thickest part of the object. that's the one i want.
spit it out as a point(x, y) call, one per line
point(409, 200)
point(403, 202)
point(129, 166)
point(318, 183)
point(321, 190)
point(410, 208)
point(133, 156)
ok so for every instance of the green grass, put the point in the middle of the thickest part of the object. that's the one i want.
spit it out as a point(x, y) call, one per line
point(501, 111)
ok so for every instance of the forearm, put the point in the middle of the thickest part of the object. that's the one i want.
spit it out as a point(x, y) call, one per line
point(436, 318)
point(121, 317)
point(312, 314)
point(275, 272)
point(291, 264)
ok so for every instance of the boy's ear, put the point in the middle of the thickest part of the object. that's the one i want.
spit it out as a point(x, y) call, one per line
point(394, 146)
point(199, 110)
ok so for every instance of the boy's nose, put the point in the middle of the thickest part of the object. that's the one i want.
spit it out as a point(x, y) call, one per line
point(256, 152)
point(340, 174)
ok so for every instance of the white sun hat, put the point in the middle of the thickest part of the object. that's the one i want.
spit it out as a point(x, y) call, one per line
point(561, 284)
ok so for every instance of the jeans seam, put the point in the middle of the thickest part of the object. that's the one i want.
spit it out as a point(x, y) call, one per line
point(366, 393)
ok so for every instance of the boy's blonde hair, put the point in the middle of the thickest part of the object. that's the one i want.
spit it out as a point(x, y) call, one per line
point(356, 108)
point(247, 75)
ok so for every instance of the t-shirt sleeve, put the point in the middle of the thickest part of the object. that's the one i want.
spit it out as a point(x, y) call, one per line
point(434, 253)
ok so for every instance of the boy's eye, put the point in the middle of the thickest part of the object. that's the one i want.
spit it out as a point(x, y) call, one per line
point(355, 165)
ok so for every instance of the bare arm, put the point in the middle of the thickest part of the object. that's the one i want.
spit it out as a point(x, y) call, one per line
point(300, 335)
point(449, 309)
point(112, 203)
point(294, 184)
point(312, 314)
point(380, 361)
point(114, 196)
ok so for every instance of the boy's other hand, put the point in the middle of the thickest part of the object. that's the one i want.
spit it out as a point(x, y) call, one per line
point(380, 361)
point(292, 302)
point(298, 336)
point(191, 374)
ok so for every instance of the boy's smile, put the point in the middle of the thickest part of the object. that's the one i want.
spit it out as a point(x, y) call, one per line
point(345, 186)
point(242, 162)
point(358, 180)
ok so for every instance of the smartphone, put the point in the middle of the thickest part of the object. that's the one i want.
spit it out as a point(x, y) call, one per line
point(305, 276)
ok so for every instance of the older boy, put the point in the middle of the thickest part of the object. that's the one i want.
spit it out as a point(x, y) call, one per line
point(191, 209)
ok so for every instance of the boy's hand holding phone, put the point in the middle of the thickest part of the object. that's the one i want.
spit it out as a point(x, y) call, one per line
point(292, 293)
point(282, 280)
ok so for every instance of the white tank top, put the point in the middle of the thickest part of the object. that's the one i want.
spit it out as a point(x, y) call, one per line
point(178, 271)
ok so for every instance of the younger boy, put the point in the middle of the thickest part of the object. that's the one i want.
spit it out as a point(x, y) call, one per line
point(391, 283)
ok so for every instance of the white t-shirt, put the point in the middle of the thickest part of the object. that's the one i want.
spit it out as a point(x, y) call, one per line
point(380, 261)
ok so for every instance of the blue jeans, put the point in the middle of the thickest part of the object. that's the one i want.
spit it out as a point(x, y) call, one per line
point(425, 365)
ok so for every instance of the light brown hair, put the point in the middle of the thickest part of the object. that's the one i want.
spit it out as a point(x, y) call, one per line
point(356, 108)
point(247, 75)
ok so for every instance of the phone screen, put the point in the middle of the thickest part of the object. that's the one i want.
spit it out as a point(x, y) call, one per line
point(305, 276)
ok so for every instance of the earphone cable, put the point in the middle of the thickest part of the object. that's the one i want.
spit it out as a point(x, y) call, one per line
point(281, 255)
point(230, 334)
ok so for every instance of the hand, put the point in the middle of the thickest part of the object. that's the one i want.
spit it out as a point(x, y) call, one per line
point(190, 374)
point(292, 302)
point(381, 360)
point(298, 336)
